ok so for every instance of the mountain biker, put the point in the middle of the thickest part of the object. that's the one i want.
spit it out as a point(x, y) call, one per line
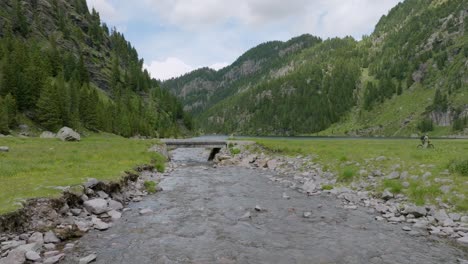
point(425, 141)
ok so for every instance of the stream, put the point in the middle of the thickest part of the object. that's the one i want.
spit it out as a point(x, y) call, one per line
point(208, 215)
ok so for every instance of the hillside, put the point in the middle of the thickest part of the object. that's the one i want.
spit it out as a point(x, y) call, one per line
point(409, 76)
point(61, 66)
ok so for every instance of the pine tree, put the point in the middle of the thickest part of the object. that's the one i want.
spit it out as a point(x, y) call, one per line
point(10, 109)
point(20, 22)
point(49, 112)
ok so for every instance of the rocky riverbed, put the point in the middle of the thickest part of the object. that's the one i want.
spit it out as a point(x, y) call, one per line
point(249, 208)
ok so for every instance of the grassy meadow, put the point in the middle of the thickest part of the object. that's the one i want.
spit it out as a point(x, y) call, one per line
point(35, 167)
point(346, 157)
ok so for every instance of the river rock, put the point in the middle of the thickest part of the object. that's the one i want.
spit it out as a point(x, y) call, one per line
point(146, 211)
point(463, 240)
point(464, 219)
point(245, 216)
point(14, 257)
point(4, 149)
point(102, 194)
point(455, 217)
point(272, 164)
point(406, 228)
point(114, 214)
point(88, 259)
point(307, 214)
point(441, 216)
point(417, 211)
point(96, 206)
point(445, 189)
point(394, 175)
point(54, 259)
point(32, 256)
point(387, 195)
point(50, 237)
point(381, 158)
point(36, 237)
point(99, 224)
point(309, 187)
point(48, 134)
point(68, 134)
point(285, 196)
point(114, 205)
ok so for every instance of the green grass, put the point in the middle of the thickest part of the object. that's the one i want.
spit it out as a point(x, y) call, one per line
point(150, 186)
point(34, 166)
point(341, 155)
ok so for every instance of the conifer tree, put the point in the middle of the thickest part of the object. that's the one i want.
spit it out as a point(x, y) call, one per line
point(49, 112)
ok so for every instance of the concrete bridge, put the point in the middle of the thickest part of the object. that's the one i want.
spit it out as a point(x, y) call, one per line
point(214, 145)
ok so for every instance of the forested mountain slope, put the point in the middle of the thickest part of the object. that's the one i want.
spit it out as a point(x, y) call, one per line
point(409, 76)
point(59, 65)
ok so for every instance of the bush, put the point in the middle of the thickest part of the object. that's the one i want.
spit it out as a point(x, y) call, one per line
point(235, 151)
point(347, 175)
point(327, 187)
point(459, 166)
point(150, 186)
point(395, 186)
point(426, 125)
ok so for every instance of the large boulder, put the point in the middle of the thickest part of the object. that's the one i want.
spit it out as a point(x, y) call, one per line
point(68, 134)
point(96, 206)
point(48, 134)
point(4, 149)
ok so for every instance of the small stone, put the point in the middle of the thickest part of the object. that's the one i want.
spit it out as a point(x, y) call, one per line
point(464, 219)
point(54, 259)
point(99, 224)
point(49, 254)
point(49, 246)
point(394, 175)
point(36, 237)
point(387, 195)
point(115, 205)
point(445, 189)
point(75, 211)
point(405, 184)
point(426, 175)
point(307, 214)
point(91, 183)
point(245, 216)
point(102, 194)
point(462, 261)
point(379, 218)
point(14, 257)
point(441, 216)
point(146, 211)
point(285, 196)
point(463, 240)
point(417, 211)
point(114, 214)
point(23, 237)
point(50, 237)
point(381, 158)
point(455, 217)
point(4, 149)
point(33, 256)
point(258, 208)
point(406, 228)
point(88, 259)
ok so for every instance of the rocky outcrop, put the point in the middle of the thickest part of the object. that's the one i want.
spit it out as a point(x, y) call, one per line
point(68, 134)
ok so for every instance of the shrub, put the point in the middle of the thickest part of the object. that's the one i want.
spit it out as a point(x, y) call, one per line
point(327, 187)
point(459, 166)
point(150, 186)
point(426, 125)
point(160, 167)
point(347, 175)
point(395, 186)
point(235, 151)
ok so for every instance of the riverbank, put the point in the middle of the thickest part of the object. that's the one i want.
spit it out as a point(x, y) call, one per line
point(37, 167)
point(400, 191)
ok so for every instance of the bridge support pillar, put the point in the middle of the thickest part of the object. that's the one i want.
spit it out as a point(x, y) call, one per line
point(213, 153)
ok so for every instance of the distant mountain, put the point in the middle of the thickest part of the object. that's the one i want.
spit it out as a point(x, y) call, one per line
point(59, 65)
point(409, 76)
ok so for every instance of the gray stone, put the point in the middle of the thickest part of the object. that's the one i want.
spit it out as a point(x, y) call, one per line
point(272, 164)
point(405, 184)
point(258, 208)
point(91, 183)
point(146, 211)
point(99, 224)
point(406, 228)
point(462, 261)
point(48, 134)
point(4, 149)
point(49, 246)
point(75, 211)
point(83, 226)
point(32, 256)
point(463, 240)
point(394, 175)
point(88, 259)
point(381, 208)
point(464, 219)
point(417, 211)
point(49, 254)
point(14, 257)
point(114, 214)
point(36, 247)
point(114, 205)
point(285, 196)
point(445, 189)
point(54, 259)
point(68, 134)
point(426, 175)
point(309, 187)
point(381, 158)
point(441, 216)
point(421, 224)
point(96, 206)
point(50, 237)
point(307, 214)
point(387, 195)
point(245, 216)
point(36, 237)
point(455, 217)
point(102, 194)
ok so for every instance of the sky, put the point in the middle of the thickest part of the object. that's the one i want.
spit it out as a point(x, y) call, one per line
point(177, 36)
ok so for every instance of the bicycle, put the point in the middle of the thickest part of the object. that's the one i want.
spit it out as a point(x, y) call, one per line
point(429, 146)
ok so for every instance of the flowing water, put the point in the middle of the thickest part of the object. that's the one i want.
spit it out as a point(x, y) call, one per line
point(202, 217)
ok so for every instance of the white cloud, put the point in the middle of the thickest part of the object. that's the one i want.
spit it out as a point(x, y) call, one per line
point(106, 10)
point(218, 66)
point(170, 67)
